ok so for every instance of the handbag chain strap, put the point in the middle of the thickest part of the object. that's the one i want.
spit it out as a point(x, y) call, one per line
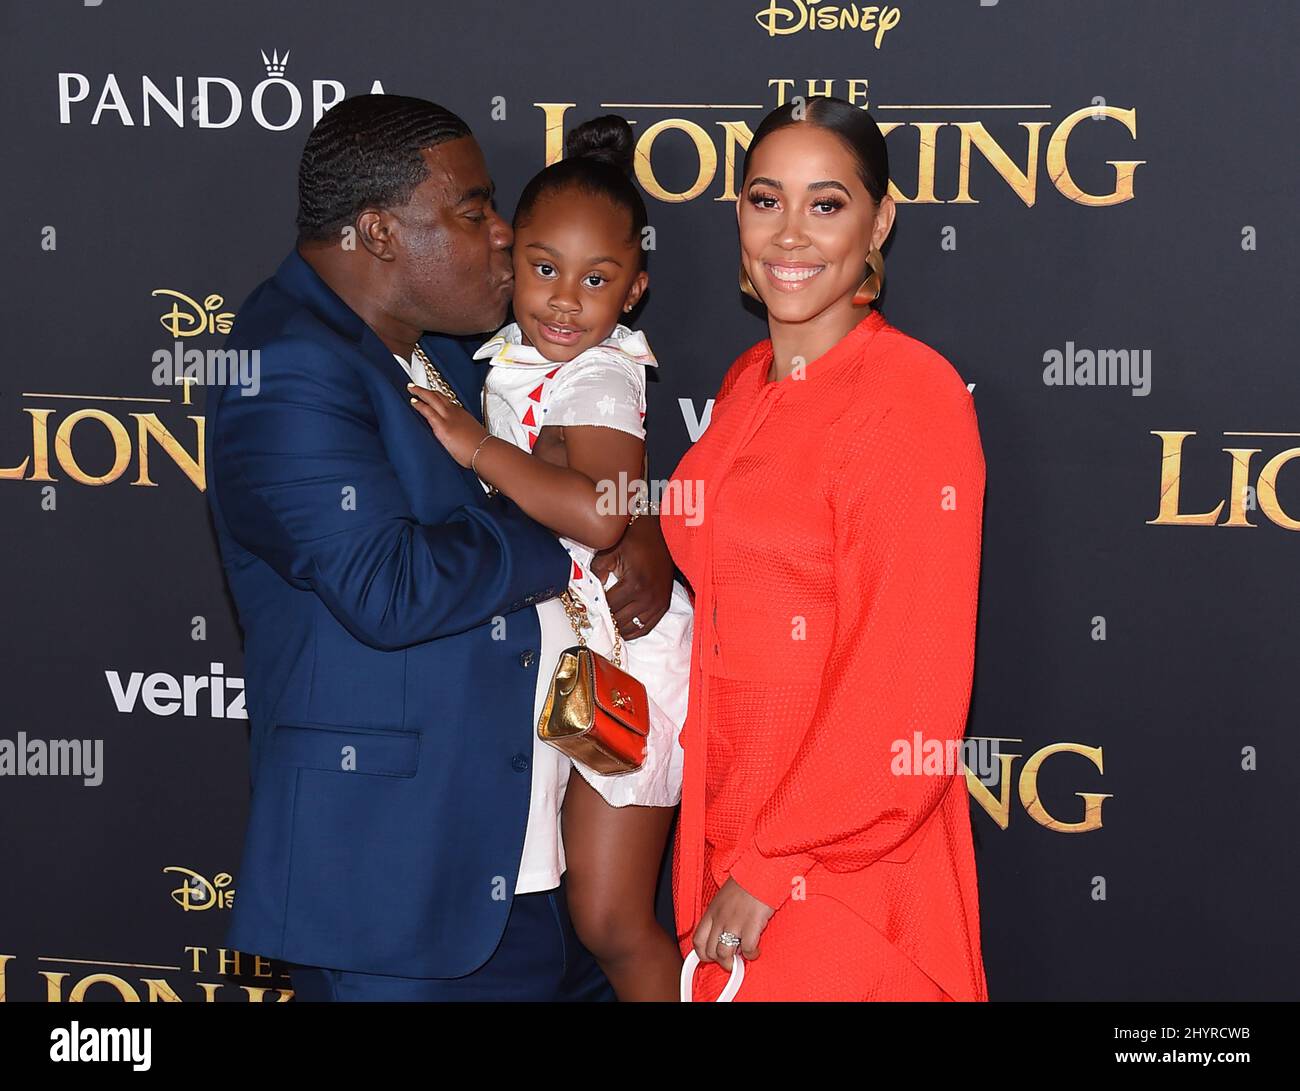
point(576, 611)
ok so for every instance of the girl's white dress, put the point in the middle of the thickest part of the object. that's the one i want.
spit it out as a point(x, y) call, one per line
point(605, 385)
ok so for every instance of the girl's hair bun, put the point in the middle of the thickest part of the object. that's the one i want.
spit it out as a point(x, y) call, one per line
point(607, 139)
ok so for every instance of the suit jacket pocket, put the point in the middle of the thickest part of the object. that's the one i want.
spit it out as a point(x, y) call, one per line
point(377, 752)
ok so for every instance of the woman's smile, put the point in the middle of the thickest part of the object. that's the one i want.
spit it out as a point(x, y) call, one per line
point(791, 276)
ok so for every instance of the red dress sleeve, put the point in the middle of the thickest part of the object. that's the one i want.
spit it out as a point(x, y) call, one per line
point(906, 487)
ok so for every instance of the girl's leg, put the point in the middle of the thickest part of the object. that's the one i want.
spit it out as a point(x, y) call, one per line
point(612, 856)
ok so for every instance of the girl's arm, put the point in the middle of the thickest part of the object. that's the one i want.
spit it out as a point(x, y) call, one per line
point(584, 500)
point(589, 499)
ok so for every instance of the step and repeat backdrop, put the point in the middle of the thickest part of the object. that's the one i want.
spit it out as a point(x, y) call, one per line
point(1096, 225)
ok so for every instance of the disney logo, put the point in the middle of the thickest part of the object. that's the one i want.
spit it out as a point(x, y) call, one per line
point(196, 892)
point(790, 18)
point(197, 318)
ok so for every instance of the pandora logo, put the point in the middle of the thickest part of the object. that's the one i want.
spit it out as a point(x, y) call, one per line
point(275, 103)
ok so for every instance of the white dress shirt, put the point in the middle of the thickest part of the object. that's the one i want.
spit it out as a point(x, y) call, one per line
point(542, 861)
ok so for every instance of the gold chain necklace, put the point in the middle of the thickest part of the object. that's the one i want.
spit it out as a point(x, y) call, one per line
point(438, 383)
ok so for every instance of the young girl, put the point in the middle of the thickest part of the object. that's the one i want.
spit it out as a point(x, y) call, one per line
point(564, 403)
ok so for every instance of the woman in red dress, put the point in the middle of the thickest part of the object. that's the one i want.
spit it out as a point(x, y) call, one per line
point(835, 567)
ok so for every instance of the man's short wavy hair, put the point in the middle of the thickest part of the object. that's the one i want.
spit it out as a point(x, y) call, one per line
point(365, 153)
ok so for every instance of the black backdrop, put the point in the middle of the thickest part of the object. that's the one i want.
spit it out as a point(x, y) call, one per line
point(1144, 660)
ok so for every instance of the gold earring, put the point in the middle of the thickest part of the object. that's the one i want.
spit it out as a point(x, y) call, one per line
point(869, 290)
point(747, 285)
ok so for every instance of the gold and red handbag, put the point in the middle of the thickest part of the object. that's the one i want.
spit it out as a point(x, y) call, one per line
point(595, 712)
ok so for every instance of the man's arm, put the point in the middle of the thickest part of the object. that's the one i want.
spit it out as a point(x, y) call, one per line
point(645, 577)
point(305, 484)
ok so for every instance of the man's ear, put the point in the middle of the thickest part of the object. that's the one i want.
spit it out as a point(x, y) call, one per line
point(374, 228)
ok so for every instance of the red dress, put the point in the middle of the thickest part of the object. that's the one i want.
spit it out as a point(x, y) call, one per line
point(834, 563)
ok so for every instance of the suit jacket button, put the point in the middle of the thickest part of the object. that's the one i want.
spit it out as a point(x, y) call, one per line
point(526, 658)
point(519, 763)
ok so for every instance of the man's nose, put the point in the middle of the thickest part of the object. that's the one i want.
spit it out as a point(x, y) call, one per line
point(503, 235)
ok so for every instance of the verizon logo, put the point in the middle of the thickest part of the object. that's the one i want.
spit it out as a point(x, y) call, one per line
point(213, 694)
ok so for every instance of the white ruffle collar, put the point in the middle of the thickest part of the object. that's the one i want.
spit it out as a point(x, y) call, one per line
point(506, 347)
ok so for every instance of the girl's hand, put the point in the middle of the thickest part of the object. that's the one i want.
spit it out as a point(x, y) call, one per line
point(455, 428)
point(733, 909)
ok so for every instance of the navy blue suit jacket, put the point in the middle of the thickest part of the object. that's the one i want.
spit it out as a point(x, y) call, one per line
point(391, 735)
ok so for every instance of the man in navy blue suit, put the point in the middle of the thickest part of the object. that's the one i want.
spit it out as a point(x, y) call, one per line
point(391, 643)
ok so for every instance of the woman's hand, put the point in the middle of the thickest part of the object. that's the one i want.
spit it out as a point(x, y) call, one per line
point(733, 909)
point(645, 577)
point(455, 428)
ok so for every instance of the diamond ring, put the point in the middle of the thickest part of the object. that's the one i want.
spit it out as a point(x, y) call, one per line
point(729, 939)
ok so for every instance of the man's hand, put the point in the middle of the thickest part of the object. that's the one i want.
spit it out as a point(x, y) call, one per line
point(733, 909)
point(645, 577)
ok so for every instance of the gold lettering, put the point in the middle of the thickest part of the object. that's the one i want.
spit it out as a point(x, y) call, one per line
point(928, 131)
point(1237, 490)
point(1023, 183)
point(999, 806)
point(191, 466)
point(1171, 463)
point(1059, 171)
point(160, 991)
point(121, 447)
point(708, 158)
point(738, 136)
point(781, 86)
point(554, 113)
point(40, 451)
point(53, 986)
point(127, 993)
point(1267, 489)
point(257, 994)
point(1034, 805)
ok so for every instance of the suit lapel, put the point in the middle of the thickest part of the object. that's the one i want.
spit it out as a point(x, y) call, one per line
point(381, 356)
